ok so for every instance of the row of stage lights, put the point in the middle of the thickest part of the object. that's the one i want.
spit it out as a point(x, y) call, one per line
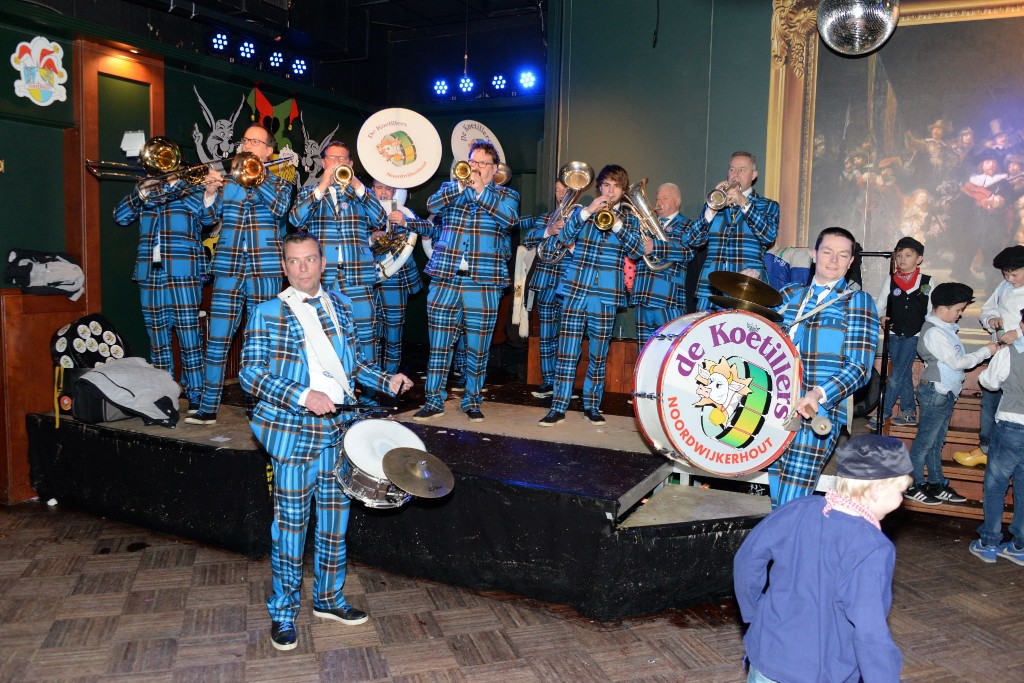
point(499, 86)
point(247, 51)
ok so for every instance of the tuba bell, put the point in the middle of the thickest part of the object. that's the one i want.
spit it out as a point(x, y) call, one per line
point(577, 176)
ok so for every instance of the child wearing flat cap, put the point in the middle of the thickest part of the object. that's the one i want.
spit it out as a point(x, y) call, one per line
point(828, 571)
point(945, 362)
point(1000, 315)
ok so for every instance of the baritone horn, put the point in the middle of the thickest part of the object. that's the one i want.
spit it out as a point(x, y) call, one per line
point(650, 226)
point(718, 198)
point(577, 176)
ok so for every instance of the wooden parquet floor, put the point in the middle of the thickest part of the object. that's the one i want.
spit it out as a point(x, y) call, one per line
point(86, 599)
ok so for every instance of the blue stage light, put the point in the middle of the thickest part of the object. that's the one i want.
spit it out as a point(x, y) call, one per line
point(247, 50)
point(276, 59)
point(299, 67)
point(440, 87)
point(498, 82)
point(219, 42)
point(466, 85)
point(527, 80)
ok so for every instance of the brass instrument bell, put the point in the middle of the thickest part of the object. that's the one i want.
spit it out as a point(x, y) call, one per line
point(718, 198)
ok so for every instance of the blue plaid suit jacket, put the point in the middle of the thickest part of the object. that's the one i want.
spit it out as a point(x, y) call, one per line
point(838, 343)
point(253, 223)
point(735, 240)
point(666, 288)
point(275, 371)
point(544, 275)
point(178, 220)
point(473, 227)
point(598, 259)
point(345, 235)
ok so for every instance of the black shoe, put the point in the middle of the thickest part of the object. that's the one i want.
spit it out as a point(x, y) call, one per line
point(543, 391)
point(201, 418)
point(425, 413)
point(551, 419)
point(946, 494)
point(920, 494)
point(193, 406)
point(346, 615)
point(282, 635)
point(475, 415)
point(459, 382)
point(595, 417)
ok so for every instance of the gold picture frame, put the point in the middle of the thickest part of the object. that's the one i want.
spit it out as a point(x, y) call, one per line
point(795, 47)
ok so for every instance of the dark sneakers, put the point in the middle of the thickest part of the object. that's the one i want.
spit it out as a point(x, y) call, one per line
point(425, 413)
point(945, 494)
point(346, 615)
point(282, 635)
point(595, 417)
point(201, 418)
point(551, 419)
point(543, 391)
point(475, 415)
point(920, 494)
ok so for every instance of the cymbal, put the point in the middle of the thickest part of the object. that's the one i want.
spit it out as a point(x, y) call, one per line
point(745, 288)
point(418, 473)
point(739, 304)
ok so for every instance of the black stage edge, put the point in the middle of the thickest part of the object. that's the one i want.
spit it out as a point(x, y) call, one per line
point(540, 519)
point(219, 496)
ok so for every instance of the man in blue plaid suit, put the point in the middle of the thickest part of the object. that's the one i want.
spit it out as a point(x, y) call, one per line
point(738, 234)
point(169, 267)
point(300, 351)
point(543, 285)
point(247, 263)
point(469, 269)
point(592, 289)
point(834, 326)
point(343, 219)
point(395, 290)
point(660, 296)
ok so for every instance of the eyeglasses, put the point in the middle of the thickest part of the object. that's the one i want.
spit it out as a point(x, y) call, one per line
point(479, 164)
point(337, 157)
point(255, 141)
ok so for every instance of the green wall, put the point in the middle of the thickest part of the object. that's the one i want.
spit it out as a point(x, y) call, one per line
point(123, 105)
point(659, 110)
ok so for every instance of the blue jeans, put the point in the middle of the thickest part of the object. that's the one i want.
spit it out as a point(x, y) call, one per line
point(934, 411)
point(1005, 460)
point(902, 351)
point(989, 403)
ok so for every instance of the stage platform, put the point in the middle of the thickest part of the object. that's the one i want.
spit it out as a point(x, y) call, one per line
point(576, 515)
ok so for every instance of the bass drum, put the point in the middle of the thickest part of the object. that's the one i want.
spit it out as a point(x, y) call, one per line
point(714, 391)
point(360, 468)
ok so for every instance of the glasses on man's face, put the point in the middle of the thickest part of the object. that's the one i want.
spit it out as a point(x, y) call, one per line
point(255, 141)
point(480, 164)
point(337, 157)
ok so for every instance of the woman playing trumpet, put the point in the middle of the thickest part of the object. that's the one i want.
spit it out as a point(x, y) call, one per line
point(592, 289)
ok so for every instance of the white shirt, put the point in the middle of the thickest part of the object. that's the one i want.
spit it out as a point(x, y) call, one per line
point(995, 374)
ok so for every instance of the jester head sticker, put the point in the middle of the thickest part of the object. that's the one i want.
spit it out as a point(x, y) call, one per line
point(42, 72)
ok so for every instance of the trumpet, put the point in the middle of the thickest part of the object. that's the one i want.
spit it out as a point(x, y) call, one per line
point(463, 172)
point(718, 198)
point(605, 219)
point(249, 172)
point(343, 176)
point(577, 176)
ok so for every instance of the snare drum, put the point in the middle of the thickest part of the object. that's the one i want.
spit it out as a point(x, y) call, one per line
point(360, 466)
point(715, 390)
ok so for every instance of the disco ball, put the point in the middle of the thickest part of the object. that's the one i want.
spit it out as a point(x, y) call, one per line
point(856, 27)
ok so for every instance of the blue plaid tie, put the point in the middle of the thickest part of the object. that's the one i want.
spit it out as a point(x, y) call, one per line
point(325, 322)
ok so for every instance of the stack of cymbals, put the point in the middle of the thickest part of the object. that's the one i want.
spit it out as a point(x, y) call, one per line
point(745, 293)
